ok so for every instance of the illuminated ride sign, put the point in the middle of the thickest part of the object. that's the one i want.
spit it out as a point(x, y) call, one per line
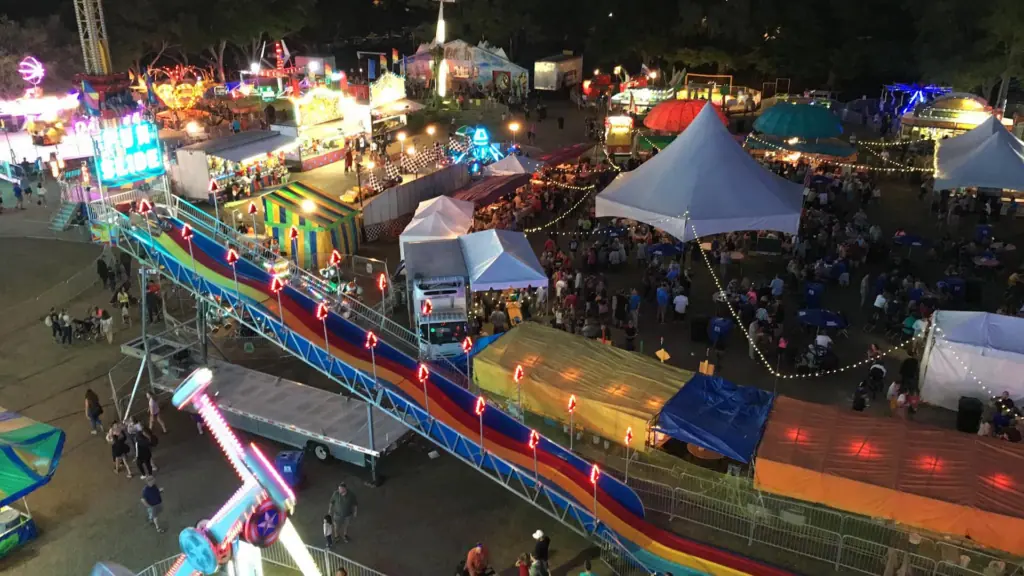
point(128, 153)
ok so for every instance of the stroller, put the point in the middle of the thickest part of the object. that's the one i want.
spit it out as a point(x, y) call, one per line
point(87, 329)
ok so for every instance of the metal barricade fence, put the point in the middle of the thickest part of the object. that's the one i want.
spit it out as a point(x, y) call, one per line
point(619, 560)
point(160, 568)
point(873, 558)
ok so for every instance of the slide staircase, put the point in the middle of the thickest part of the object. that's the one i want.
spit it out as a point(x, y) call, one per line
point(439, 407)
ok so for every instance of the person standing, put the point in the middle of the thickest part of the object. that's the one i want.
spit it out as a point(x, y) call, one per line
point(143, 452)
point(18, 200)
point(41, 193)
point(93, 411)
point(154, 502)
point(328, 531)
point(103, 272)
point(154, 412)
point(342, 508)
point(541, 547)
point(118, 439)
point(107, 326)
point(65, 327)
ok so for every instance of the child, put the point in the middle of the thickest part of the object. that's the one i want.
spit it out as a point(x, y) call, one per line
point(41, 195)
point(328, 530)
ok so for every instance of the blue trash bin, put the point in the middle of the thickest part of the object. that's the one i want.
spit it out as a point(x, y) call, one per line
point(289, 465)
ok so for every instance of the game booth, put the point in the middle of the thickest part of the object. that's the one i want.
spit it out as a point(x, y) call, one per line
point(322, 120)
point(481, 66)
point(29, 454)
point(246, 162)
point(307, 225)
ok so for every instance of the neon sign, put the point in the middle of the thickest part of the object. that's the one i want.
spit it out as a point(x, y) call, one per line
point(129, 152)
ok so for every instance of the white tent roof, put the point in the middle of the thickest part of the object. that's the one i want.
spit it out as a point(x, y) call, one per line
point(512, 164)
point(454, 210)
point(501, 260)
point(705, 180)
point(988, 156)
point(431, 227)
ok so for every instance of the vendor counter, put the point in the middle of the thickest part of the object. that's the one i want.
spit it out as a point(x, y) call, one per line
point(330, 157)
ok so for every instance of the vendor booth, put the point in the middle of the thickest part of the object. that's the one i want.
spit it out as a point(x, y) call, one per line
point(615, 389)
point(323, 223)
point(322, 120)
point(513, 164)
point(486, 191)
point(389, 107)
point(435, 271)
point(29, 454)
point(948, 115)
point(501, 260)
point(246, 162)
point(482, 66)
point(446, 206)
point(988, 156)
point(895, 469)
point(991, 346)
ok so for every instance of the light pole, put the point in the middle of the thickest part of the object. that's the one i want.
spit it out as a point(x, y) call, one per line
point(629, 438)
point(481, 405)
point(232, 259)
point(534, 442)
point(423, 374)
point(595, 475)
point(186, 235)
point(467, 347)
point(293, 235)
point(425, 311)
point(382, 283)
point(322, 311)
point(572, 430)
point(276, 285)
point(252, 212)
point(371, 344)
point(144, 209)
point(517, 376)
point(513, 127)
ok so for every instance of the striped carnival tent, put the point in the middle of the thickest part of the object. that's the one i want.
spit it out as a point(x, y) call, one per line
point(324, 224)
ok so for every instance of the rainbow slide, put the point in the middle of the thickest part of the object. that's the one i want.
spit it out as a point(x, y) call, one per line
point(619, 510)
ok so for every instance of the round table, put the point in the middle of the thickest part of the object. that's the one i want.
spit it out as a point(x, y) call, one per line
point(702, 453)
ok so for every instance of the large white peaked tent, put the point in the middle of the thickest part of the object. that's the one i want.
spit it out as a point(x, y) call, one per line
point(513, 164)
point(989, 156)
point(501, 260)
point(704, 180)
point(431, 227)
point(455, 210)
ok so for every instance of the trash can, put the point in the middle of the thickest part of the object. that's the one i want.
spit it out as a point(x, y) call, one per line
point(289, 465)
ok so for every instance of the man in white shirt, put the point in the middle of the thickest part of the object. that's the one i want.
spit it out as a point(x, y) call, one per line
point(680, 302)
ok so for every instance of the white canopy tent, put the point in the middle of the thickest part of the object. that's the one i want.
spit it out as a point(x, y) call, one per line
point(501, 260)
point(989, 156)
point(991, 346)
point(705, 180)
point(432, 227)
point(513, 164)
point(454, 210)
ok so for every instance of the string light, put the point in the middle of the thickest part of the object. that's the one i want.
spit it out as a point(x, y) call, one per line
point(846, 164)
point(760, 354)
point(962, 363)
point(900, 164)
point(560, 217)
point(891, 143)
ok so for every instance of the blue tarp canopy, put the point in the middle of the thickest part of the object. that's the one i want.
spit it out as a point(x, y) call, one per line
point(717, 415)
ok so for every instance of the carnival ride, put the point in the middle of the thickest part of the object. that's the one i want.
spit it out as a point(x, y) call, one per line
point(255, 517)
point(333, 336)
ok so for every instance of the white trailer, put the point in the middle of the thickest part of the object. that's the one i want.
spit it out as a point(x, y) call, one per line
point(326, 424)
point(558, 72)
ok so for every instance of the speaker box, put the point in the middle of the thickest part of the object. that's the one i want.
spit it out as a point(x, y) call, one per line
point(699, 328)
point(968, 414)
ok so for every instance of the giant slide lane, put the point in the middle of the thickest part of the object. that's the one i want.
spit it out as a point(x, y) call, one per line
point(619, 509)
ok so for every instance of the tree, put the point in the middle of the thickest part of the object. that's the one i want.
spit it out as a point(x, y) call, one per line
point(48, 41)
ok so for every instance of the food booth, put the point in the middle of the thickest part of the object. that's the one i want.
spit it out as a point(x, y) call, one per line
point(389, 107)
point(29, 454)
point(946, 116)
point(322, 120)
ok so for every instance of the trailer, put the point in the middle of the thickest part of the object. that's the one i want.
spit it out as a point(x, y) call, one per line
point(326, 424)
point(558, 72)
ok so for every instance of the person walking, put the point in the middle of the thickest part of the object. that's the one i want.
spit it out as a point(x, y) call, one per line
point(124, 301)
point(93, 411)
point(52, 321)
point(107, 326)
point(19, 203)
point(65, 327)
point(118, 439)
point(154, 412)
point(103, 271)
point(153, 500)
point(143, 452)
point(41, 194)
point(342, 508)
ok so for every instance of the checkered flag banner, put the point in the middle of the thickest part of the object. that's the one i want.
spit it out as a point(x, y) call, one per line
point(456, 145)
point(391, 171)
point(373, 182)
point(437, 153)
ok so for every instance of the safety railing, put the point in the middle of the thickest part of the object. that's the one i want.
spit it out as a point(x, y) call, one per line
point(727, 504)
point(138, 242)
point(620, 560)
point(365, 316)
point(328, 562)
